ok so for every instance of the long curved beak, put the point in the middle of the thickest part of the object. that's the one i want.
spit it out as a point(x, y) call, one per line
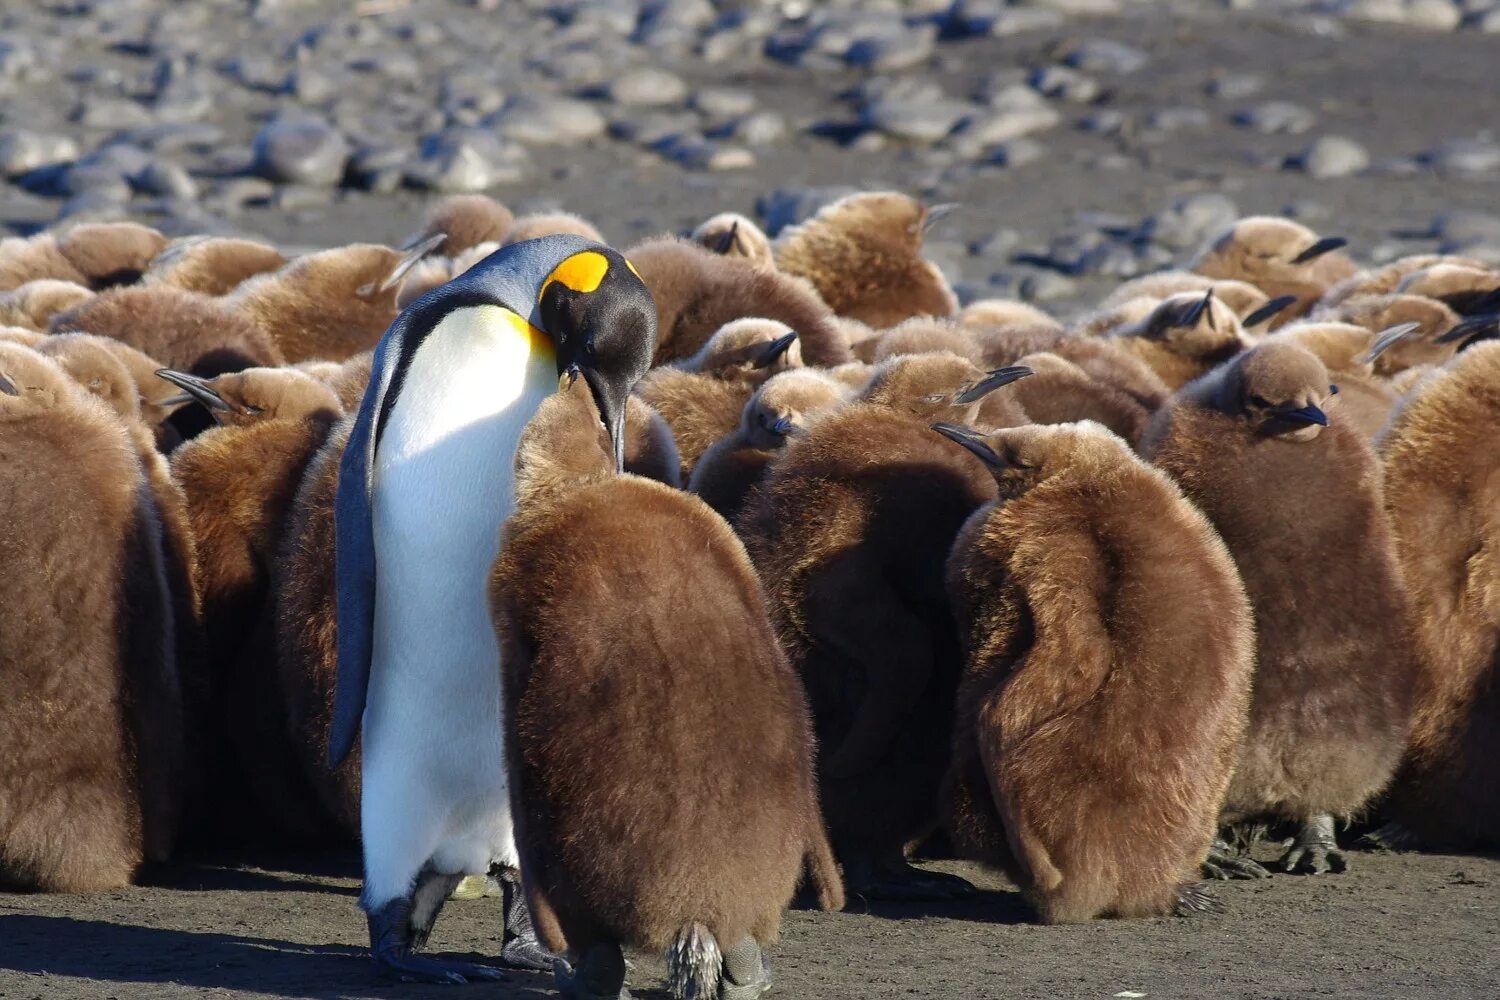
point(1388, 338)
point(730, 240)
point(775, 349)
point(1265, 312)
point(1305, 415)
point(411, 258)
point(971, 440)
point(991, 382)
point(1327, 244)
point(1472, 329)
point(8, 387)
point(196, 388)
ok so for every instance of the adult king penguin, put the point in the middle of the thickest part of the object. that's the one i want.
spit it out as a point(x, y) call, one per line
point(425, 483)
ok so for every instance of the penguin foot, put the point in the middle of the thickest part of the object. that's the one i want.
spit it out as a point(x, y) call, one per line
point(747, 974)
point(900, 882)
point(391, 942)
point(526, 953)
point(1224, 864)
point(1193, 900)
point(1314, 851)
point(600, 975)
point(1390, 837)
point(520, 948)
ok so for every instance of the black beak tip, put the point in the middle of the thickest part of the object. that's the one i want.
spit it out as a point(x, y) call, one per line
point(1327, 244)
point(775, 349)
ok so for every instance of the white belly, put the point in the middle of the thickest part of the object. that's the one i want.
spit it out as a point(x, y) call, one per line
point(434, 777)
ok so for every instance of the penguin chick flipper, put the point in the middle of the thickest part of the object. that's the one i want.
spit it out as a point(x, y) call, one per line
point(390, 947)
point(1390, 837)
point(1314, 850)
point(1193, 900)
point(1224, 864)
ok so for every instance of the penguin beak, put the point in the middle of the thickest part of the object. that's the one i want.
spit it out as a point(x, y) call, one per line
point(194, 388)
point(1268, 310)
point(1387, 339)
point(991, 382)
point(782, 427)
point(971, 440)
point(1472, 329)
point(1189, 317)
point(1305, 415)
point(611, 401)
point(8, 387)
point(1327, 244)
point(775, 349)
point(410, 259)
point(729, 240)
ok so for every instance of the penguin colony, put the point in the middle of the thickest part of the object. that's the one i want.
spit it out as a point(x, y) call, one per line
point(662, 583)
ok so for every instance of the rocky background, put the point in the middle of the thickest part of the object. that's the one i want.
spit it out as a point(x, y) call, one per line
point(1084, 141)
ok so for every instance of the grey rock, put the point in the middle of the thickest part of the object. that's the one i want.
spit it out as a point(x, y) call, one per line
point(1192, 221)
point(166, 180)
point(1332, 156)
point(22, 151)
point(457, 160)
point(548, 121)
point(1016, 153)
point(1002, 126)
point(1488, 22)
point(1104, 55)
point(998, 244)
point(380, 168)
point(1276, 118)
point(649, 127)
point(763, 128)
point(300, 150)
point(1062, 83)
point(1178, 119)
point(697, 153)
point(235, 194)
point(1235, 86)
point(724, 102)
point(968, 18)
point(897, 50)
point(915, 120)
point(122, 158)
point(1466, 157)
point(94, 206)
point(295, 197)
point(172, 137)
point(1031, 285)
point(1075, 6)
point(310, 85)
point(1460, 229)
point(111, 113)
point(97, 179)
point(1103, 121)
point(648, 86)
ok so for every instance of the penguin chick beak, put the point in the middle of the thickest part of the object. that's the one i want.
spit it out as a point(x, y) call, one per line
point(1305, 415)
point(971, 440)
point(1387, 339)
point(729, 241)
point(1327, 244)
point(195, 388)
point(991, 382)
point(410, 259)
point(8, 387)
point(782, 427)
point(1189, 317)
point(937, 213)
point(775, 349)
point(1265, 312)
point(1473, 329)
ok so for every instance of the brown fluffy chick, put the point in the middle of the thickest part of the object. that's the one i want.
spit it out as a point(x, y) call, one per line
point(1466, 290)
point(782, 407)
point(701, 399)
point(111, 253)
point(331, 304)
point(650, 449)
point(731, 234)
point(1280, 257)
point(156, 401)
point(697, 292)
point(1296, 497)
point(849, 531)
point(1254, 307)
point(617, 599)
point(1381, 312)
point(539, 224)
point(1383, 280)
point(35, 258)
point(1365, 400)
point(1005, 312)
point(90, 699)
point(240, 480)
point(215, 265)
point(1184, 336)
point(21, 335)
point(1104, 360)
point(436, 270)
point(1108, 652)
point(464, 221)
point(1442, 491)
point(926, 335)
point(35, 303)
point(863, 254)
point(1060, 392)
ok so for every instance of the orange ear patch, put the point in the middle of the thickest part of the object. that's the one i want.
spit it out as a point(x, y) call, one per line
point(581, 272)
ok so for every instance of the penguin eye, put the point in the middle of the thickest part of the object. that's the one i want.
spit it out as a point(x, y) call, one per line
point(1333, 390)
point(935, 397)
point(1261, 402)
point(252, 408)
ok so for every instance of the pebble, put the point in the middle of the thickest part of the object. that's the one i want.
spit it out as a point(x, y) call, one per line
point(22, 151)
point(915, 119)
point(1468, 157)
point(647, 86)
point(724, 102)
point(111, 113)
point(697, 153)
point(1459, 229)
point(460, 161)
point(548, 121)
point(1276, 118)
point(1235, 86)
point(997, 244)
point(1016, 153)
point(1062, 83)
point(1332, 156)
point(1191, 221)
point(300, 150)
point(1104, 55)
point(896, 50)
point(166, 180)
point(649, 127)
point(1003, 126)
point(763, 128)
point(1178, 119)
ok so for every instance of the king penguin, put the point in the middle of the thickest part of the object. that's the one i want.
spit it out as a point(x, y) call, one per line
point(425, 483)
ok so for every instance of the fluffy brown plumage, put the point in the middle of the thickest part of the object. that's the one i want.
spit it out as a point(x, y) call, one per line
point(111, 253)
point(92, 733)
point(539, 224)
point(1108, 651)
point(1466, 290)
point(863, 254)
point(465, 220)
point(1442, 491)
point(1364, 400)
point(1243, 298)
point(1005, 312)
point(1381, 312)
point(731, 234)
point(849, 532)
point(213, 266)
point(1104, 360)
point(926, 335)
point(1280, 257)
point(183, 330)
point(1299, 507)
point(1383, 280)
point(1183, 336)
point(1060, 392)
point(616, 599)
point(33, 259)
point(698, 291)
point(650, 449)
point(33, 304)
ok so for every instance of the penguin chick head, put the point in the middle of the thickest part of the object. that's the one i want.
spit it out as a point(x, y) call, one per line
point(97, 369)
point(1343, 347)
point(540, 224)
point(1262, 245)
point(111, 253)
point(212, 265)
point(926, 335)
point(464, 220)
point(35, 303)
point(237, 399)
point(1381, 312)
point(1280, 388)
point(31, 384)
point(784, 404)
point(730, 234)
point(1005, 312)
point(936, 387)
point(1194, 325)
point(1464, 288)
point(1022, 458)
point(745, 345)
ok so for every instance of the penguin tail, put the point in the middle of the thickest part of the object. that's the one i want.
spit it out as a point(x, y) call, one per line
point(694, 964)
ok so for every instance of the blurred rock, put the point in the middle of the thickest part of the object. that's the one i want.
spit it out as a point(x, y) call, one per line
point(300, 150)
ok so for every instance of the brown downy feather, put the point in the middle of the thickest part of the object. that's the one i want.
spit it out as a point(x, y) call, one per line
point(1183, 336)
point(1060, 392)
point(91, 699)
point(1280, 257)
point(1384, 279)
point(465, 220)
point(863, 254)
point(926, 335)
point(650, 449)
point(1442, 491)
point(697, 292)
point(623, 840)
point(216, 265)
point(1381, 312)
point(1103, 360)
point(34, 259)
point(1108, 649)
point(1324, 583)
point(33, 304)
point(1004, 312)
point(111, 253)
point(1466, 290)
point(539, 224)
point(1364, 400)
point(730, 234)
point(21, 335)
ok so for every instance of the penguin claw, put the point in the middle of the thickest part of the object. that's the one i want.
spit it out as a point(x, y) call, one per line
point(1224, 865)
point(1313, 859)
point(527, 954)
point(1193, 900)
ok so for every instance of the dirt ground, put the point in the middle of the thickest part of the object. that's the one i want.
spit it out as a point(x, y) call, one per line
point(1392, 927)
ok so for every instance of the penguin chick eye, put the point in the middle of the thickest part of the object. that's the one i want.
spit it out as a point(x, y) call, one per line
point(1261, 402)
point(252, 408)
point(937, 397)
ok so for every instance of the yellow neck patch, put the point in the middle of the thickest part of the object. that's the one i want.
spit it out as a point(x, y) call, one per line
point(536, 341)
point(581, 272)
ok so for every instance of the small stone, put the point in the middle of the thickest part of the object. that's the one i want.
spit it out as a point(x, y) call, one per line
point(647, 86)
point(97, 179)
point(1466, 157)
point(1488, 22)
point(998, 244)
point(1062, 83)
point(1104, 121)
point(1235, 86)
point(763, 128)
point(1104, 55)
point(1332, 156)
point(1276, 118)
point(1434, 15)
point(111, 113)
point(1178, 119)
point(1192, 221)
point(988, 129)
point(166, 180)
point(650, 127)
point(459, 161)
point(22, 151)
point(237, 192)
point(93, 206)
point(901, 49)
point(300, 150)
point(1075, 6)
point(548, 121)
point(916, 120)
point(1456, 229)
point(724, 102)
point(1016, 153)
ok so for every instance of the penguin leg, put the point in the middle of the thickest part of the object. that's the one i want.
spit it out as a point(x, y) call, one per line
point(1314, 850)
point(392, 933)
point(1224, 863)
point(892, 878)
point(521, 949)
point(747, 974)
point(1390, 837)
point(598, 975)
